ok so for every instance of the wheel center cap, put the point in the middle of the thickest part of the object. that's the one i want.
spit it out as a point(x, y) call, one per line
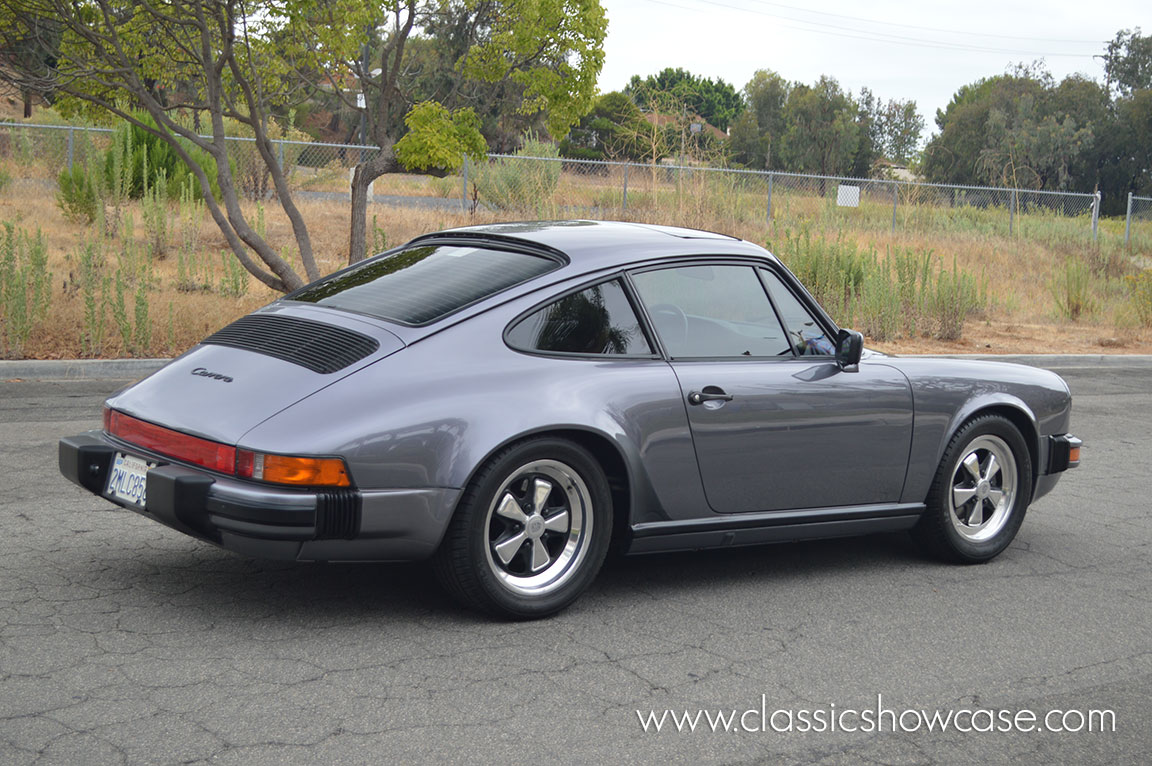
point(982, 489)
point(535, 526)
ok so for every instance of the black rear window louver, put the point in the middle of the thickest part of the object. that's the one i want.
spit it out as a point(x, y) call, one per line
point(320, 347)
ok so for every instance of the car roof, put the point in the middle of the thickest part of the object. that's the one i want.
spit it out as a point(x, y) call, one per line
point(595, 245)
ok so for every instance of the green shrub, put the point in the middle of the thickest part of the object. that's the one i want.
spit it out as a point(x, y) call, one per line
point(1072, 290)
point(25, 287)
point(149, 160)
point(78, 194)
point(5, 179)
point(949, 302)
point(521, 184)
point(1140, 294)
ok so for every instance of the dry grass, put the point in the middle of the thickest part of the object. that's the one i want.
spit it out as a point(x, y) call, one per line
point(1019, 272)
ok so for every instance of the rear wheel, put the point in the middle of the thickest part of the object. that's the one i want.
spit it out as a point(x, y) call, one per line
point(530, 532)
point(980, 493)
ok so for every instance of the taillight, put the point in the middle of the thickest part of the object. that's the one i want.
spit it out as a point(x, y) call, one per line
point(278, 469)
point(174, 444)
point(289, 469)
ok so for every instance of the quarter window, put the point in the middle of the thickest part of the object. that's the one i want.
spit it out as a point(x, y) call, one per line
point(598, 320)
point(712, 311)
point(804, 332)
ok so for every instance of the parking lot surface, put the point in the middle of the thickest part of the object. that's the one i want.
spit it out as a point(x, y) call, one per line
point(122, 641)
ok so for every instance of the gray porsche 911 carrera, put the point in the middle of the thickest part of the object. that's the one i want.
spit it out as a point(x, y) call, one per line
point(511, 399)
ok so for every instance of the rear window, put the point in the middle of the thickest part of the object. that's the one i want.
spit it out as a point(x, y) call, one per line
point(422, 284)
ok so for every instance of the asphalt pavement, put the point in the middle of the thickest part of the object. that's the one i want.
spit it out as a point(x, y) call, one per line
point(122, 641)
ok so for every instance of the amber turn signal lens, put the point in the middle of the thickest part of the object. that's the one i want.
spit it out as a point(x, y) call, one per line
point(285, 469)
point(1074, 455)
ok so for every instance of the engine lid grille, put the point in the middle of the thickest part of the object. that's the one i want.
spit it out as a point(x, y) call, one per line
point(319, 347)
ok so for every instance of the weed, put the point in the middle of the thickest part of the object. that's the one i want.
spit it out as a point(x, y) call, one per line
point(1140, 295)
point(94, 284)
point(77, 194)
point(25, 287)
point(1072, 290)
point(379, 237)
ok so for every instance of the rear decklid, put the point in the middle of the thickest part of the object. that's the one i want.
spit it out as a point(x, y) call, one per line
point(254, 368)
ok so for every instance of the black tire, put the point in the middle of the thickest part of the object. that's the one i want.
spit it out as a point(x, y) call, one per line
point(975, 507)
point(511, 520)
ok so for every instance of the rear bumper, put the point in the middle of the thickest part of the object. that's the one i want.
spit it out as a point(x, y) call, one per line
point(270, 522)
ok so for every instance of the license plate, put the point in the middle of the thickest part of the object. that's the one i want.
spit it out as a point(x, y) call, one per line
point(128, 479)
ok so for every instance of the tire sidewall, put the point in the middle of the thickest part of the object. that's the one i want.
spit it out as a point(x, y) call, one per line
point(483, 494)
point(941, 502)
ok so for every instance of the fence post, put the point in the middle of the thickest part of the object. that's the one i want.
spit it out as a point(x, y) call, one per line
point(280, 156)
point(625, 204)
point(71, 147)
point(895, 202)
point(768, 218)
point(1011, 209)
point(1095, 215)
point(1128, 222)
point(464, 183)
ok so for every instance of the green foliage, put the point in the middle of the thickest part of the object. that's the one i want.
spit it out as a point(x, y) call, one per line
point(379, 238)
point(822, 136)
point(141, 160)
point(78, 194)
point(714, 100)
point(1140, 295)
point(94, 285)
point(949, 302)
point(440, 139)
point(25, 287)
point(901, 294)
point(521, 184)
point(1128, 61)
point(609, 131)
point(1072, 290)
point(5, 180)
point(154, 208)
point(233, 277)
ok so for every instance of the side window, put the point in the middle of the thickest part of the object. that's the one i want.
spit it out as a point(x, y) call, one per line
point(599, 320)
point(712, 311)
point(806, 334)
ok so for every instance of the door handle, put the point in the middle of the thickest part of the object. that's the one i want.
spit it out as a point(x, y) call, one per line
point(709, 394)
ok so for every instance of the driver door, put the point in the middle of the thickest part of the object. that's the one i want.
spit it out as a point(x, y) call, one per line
point(775, 422)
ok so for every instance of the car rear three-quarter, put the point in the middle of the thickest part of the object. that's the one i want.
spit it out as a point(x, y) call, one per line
point(508, 399)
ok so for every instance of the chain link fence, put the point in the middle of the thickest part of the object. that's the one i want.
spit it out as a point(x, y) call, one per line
point(1138, 223)
point(681, 194)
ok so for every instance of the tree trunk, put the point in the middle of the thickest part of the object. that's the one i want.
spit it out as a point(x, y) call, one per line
point(27, 104)
point(381, 162)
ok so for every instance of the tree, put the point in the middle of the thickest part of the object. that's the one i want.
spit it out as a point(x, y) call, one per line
point(822, 134)
point(543, 54)
point(1128, 62)
point(953, 154)
point(900, 129)
point(113, 56)
point(606, 132)
point(756, 133)
point(714, 100)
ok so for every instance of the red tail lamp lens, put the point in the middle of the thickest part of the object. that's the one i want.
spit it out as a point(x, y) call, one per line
point(191, 449)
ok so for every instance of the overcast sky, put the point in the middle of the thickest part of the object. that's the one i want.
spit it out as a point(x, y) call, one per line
point(918, 50)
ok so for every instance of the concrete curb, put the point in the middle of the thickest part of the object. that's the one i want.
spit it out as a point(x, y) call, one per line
point(134, 369)
point(79, 369)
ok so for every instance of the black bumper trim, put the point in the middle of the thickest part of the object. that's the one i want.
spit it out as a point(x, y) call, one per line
point(183, 499)
point(1059, 452)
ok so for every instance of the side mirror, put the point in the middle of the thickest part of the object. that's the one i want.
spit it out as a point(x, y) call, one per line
point(849, 346)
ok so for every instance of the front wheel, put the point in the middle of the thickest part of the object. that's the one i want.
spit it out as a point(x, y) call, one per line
point(980, 493)
point(530, 532)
